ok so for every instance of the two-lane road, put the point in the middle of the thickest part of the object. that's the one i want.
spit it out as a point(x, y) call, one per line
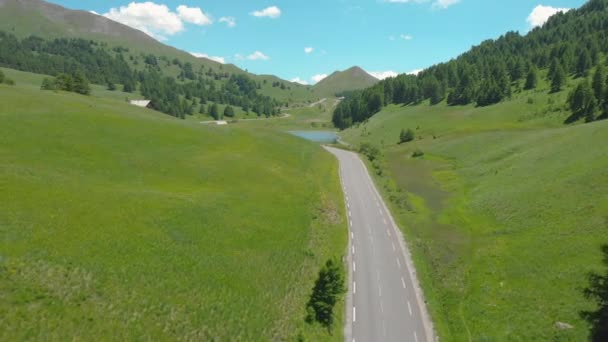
point(384, 301)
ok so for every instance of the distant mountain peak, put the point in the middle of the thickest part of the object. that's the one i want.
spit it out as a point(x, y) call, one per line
point(353, 78)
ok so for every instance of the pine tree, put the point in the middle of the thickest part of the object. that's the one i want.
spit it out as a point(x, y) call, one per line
point(531, 79)
point(214, 112)
point(80, 84)
point(558, 79)
point(583, 63)
point(598, 82)
point(582, 102)
point(229, 111)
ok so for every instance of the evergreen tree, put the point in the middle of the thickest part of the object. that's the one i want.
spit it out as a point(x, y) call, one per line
point(599, 80)
point(1, 77)
point(583, 63)
point(531, 79)
point(582, 102)
point(325, 294)
point(597, 290)
point(80, 84)
point(48, 84)
point(202, 109)
point(214, 112)
point(229, 111)
point(111, 86)
point(558, 79)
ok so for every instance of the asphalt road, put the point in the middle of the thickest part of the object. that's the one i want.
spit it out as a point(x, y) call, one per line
point(384, 301)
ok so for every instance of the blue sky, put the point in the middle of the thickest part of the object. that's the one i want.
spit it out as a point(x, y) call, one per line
point(272, 36)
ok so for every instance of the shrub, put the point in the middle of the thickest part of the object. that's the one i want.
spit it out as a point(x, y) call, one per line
point(417, 153)
point(370, 151)
point(406, 136)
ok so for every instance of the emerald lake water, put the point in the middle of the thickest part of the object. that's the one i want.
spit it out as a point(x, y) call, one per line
point(327, 137)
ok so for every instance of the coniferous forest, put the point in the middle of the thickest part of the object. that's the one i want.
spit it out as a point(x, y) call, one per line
point(98, 63)
point(569, 45)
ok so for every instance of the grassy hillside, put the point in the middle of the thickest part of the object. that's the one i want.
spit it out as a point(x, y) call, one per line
point(354, 78)
point(505, 211)
point(36, 17)
point(119, 223)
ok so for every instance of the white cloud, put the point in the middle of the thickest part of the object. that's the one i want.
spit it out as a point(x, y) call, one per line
point(213, 58)
point(406, 37)
point(391, 38)
point(299, 80)
point(540, 14)
point(269, 12)
point(443, 4)
point(308, 49)
point(383, 74)
point(193, 15)
point(440, 4)
point(153, 19)
point(230, 21)
point(318, 78)
point(415, 72)
point(93, 12)
point(256, 56)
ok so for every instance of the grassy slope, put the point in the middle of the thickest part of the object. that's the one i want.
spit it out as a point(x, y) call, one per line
point(121, 223)
point(505, 212)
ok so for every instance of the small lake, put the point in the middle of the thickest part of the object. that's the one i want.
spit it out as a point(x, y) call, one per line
point(326, 137)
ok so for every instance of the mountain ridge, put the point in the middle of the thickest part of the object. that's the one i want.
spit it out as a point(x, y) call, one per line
point(25, 18)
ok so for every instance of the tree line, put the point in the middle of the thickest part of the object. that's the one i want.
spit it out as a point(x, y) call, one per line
point(76, 83)
point(76, 62)
point(569, 44)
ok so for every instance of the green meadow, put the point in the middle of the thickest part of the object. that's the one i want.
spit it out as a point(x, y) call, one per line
point(505, 212)
point(120, 223)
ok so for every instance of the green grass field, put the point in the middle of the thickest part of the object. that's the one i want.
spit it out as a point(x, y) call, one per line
point(120, 223)
point(505, 212)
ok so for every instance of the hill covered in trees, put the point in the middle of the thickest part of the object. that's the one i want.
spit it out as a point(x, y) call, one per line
point(26, 18)
point(100, 64)
point(568, 45)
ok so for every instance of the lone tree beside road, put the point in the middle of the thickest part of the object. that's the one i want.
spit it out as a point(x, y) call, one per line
point(326, 293)
point(598, 291)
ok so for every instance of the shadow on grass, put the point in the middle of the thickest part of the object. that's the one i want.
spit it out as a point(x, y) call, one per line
point(597, 291)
